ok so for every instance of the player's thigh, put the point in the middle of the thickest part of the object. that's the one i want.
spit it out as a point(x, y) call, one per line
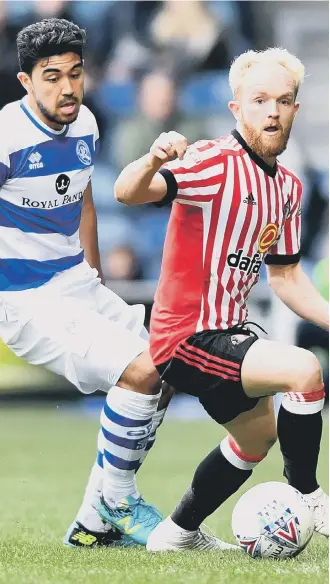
point(270, 367)
point(207, 365)
point(255, 431)
point(110, 305)
point(67, 337)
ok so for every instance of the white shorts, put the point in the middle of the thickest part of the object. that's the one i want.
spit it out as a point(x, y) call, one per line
point(76, 327)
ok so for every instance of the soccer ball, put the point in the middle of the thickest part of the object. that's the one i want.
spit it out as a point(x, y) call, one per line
point(272, 520)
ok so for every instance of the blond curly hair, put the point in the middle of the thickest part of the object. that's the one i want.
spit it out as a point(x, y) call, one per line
point(269, 56)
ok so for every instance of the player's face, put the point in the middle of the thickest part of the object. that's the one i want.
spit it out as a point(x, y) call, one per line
point(265, 109)
point(56, 89)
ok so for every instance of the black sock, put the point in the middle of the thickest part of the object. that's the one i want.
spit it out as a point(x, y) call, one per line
point(300, 437)
point(215, 480)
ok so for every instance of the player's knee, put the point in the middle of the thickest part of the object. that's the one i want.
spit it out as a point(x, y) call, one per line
point(309, 376)
point(141, 375)
point(260, 447)
point(270, 440)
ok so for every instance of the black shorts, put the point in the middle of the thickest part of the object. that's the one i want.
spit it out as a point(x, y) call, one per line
point(208, 365)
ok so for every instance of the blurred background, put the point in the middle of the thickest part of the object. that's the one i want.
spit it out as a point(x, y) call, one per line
point(153, 66)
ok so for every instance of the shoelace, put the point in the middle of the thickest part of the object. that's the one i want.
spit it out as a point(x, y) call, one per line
point(204, 541)
point(140, 507)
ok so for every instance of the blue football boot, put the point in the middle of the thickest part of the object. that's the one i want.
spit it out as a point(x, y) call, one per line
point(133, 517)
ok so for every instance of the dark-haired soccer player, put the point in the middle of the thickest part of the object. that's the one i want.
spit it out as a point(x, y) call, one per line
point(234, 206)
point(54, 310)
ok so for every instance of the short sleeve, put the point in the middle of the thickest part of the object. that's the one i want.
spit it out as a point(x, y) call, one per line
point(197, 177)
point(4, 162)
point(287, 249)
point(96, 138)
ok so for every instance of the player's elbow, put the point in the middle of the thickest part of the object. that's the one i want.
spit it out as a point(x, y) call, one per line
point(120, 193)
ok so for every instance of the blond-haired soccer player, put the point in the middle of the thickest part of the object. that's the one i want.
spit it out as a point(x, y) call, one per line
point(234, 207)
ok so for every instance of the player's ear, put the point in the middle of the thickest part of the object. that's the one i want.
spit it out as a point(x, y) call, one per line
point(24, 79)
point(296, 107)
point(235, 109)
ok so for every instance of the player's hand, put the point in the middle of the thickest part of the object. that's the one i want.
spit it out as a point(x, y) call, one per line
point(169, 146)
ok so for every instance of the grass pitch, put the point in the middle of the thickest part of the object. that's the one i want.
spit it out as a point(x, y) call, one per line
point(45, 460)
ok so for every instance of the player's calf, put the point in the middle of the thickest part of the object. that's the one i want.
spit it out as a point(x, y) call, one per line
point(88, 529)
point(270, 367)
point(254, 432)
point(127, 425)
point(217, 477)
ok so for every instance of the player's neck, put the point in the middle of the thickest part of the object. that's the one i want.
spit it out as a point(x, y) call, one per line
point(269, 160)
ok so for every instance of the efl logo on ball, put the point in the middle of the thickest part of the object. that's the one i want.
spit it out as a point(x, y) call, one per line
point(267, 237)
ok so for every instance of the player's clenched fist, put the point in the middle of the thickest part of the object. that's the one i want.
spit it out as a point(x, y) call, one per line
point(169, 146)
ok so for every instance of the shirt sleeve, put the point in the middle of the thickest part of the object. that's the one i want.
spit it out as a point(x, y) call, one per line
point(287, 249)
point(4, 165)
point(96, 138)
point(197, 177)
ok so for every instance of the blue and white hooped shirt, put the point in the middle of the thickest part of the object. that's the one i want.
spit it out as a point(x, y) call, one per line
point(43, 176)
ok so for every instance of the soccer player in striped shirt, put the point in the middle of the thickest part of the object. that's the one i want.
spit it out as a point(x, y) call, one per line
point(234, 207)
point(54, 309)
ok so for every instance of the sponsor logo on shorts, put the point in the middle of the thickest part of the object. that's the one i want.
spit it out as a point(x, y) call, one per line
point(238, 339)
point(245, 263)
point(267, 237)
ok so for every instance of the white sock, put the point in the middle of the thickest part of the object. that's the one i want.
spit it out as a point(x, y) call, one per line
point(157, 420)
point(87, 514)
point(174, 528)
point(126, 422)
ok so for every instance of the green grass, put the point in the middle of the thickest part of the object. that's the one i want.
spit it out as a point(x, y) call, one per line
point(45, 461)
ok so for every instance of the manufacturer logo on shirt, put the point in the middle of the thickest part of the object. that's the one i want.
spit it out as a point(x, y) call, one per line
point(62, 184)
point(267, 237)
point(35, 160)
point(250, 200)
point(83, 152)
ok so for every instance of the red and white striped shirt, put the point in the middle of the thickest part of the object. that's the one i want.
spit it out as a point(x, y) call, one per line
point(231, 211)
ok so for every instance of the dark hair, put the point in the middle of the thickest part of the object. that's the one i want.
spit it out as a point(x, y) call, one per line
point(51, 36)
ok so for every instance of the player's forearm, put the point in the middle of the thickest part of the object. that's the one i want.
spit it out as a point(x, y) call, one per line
point(299, 294)
point(89, 240)
point(132, 186)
